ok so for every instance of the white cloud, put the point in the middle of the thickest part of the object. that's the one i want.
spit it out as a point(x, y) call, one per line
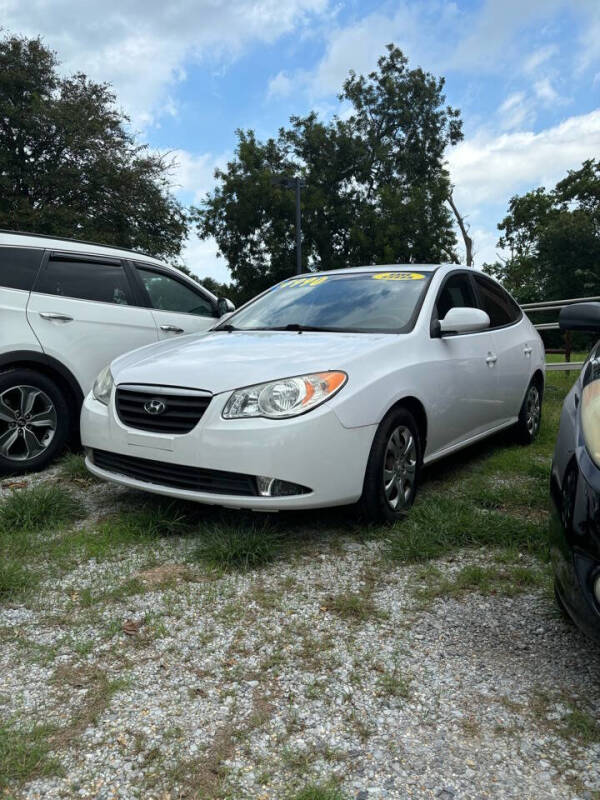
point(192, 174)
point(140, 46)
point(200, 256)
point(516, 111)
point(488, 168)
point(539, 57)
point(280, 86)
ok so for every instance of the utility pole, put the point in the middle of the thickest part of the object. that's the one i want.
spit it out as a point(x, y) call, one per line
point(297, 184)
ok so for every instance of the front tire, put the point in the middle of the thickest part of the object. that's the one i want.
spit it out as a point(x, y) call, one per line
point(393, 469)
point(34, 421)
point(530, 415)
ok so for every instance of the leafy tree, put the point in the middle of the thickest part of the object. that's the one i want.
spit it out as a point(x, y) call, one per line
point(553, 239)
point(376, 187)
point(68, 167)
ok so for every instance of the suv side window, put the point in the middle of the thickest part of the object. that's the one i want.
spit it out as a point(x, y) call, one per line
point(101, 282)
point(19, 266)
point(498, 304)
point(457, 292)
point(169, 294)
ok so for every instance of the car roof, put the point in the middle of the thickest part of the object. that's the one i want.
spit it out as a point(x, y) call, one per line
point(24, 239)
point(430, 268)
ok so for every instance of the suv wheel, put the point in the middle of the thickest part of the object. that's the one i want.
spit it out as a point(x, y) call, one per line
point(34, 421)
point(393, 468)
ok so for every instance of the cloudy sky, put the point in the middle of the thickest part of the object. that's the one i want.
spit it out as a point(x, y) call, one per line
point(525, 74)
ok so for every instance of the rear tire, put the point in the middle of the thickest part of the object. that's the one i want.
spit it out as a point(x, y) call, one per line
point(530, 415)
point(561, 606)
point(34, 421)
point(393, 469)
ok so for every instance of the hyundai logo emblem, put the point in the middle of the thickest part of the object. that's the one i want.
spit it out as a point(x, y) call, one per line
point(155, 406)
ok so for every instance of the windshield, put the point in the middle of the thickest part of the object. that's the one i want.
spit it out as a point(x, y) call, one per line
point(365, 302)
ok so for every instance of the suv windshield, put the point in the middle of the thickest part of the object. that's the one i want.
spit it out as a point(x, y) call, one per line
point(365, 302)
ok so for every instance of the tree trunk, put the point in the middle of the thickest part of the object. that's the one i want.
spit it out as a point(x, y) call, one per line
point(463, 229)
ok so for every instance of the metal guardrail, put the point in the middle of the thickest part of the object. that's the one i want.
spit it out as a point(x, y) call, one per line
point(556, 305)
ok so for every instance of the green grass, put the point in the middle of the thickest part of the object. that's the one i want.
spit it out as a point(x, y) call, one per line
point(509, 579)
point(492, 495)
point(24, 755)
point(318, 792)
point(353, 606)
point(38, 508)
point(72, 468)
point(228, 546)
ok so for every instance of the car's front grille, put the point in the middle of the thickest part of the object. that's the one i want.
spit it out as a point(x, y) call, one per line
point(177, 476)
point(180, 412)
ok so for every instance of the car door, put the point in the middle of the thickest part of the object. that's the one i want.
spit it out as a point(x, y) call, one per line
point(463, 372)
point(177, 305)
point(83, 311)
point(513, 346)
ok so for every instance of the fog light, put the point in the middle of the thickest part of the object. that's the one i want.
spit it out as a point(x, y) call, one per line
point(597, 588)
point(273, 487)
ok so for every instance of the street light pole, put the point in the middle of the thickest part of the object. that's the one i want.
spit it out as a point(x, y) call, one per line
point(296, 184)
point(298, 229)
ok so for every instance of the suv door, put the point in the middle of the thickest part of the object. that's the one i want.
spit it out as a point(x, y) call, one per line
point(178, 306)
point(83, 310)
point(512, 346)
point(463, 371)
point(18, 269)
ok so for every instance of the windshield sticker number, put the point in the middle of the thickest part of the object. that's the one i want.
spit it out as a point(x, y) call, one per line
point(303, 282)
point(398, 276)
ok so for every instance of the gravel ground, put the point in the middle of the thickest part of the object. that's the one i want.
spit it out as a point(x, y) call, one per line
point(257, 684)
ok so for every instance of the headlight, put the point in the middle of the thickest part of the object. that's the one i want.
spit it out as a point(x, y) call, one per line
point(285, 398)
point(590, 409)
point(103, 386)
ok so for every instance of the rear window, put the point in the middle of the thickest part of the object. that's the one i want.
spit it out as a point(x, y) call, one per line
point(19, 266)
point(85, 280)
point(498, 304)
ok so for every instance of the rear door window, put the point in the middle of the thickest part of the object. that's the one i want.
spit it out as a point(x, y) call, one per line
point(498, 304)
point(96, 280)
point(19, 266)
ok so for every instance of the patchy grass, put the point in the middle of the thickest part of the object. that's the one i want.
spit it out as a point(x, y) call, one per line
point(394, 684)
point(240, 547)
point(354, 606)
point(72, 468)
point(24, 755)
point(509, 580)
point(39, 508)
point(319, 792)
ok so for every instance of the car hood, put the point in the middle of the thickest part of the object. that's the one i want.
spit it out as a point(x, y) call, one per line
point(219, 361)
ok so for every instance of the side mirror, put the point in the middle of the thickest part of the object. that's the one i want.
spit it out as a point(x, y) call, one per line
point(464, 320)
point(580, 317)
point(224, 306)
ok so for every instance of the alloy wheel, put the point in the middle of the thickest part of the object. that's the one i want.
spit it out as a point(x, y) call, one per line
point(399, 468)
point(28, 423)
point(533, 410)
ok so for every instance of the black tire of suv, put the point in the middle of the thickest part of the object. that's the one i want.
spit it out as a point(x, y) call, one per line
point(525, 433)
point(13, 378)
point(374, 505)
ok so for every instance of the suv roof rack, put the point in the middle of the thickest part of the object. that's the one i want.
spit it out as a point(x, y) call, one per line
point(79, 241)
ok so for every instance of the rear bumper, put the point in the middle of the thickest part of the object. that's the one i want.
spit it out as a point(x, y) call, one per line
point(313, 450)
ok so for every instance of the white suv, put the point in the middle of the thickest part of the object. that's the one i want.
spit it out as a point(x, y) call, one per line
point(67, 308)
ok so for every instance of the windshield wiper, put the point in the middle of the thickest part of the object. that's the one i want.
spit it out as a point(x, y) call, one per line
point(296, 326)
point(227, 326)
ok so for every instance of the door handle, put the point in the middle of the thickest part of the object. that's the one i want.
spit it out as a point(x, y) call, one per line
point(171, 329)
point(491, 359)
point(527, 351)
point(56, 316)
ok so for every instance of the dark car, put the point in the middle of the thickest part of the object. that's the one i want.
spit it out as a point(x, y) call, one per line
point(575, 485)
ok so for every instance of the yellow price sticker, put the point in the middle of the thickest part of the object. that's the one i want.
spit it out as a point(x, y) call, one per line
point(399, 276)
point(303, 282)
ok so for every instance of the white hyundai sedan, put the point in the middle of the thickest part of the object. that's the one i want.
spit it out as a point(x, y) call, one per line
point(327, 389)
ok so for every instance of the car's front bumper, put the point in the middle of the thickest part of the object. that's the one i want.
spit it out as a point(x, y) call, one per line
point(313, 450)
